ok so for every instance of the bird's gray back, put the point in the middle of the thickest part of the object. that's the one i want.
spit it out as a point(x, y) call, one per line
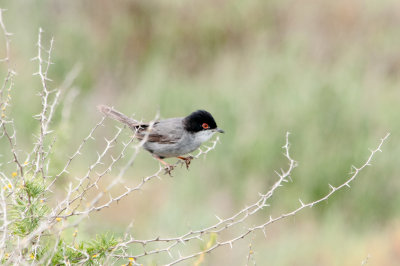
point(165, 131)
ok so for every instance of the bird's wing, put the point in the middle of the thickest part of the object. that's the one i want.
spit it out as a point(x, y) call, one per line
point(166, 131)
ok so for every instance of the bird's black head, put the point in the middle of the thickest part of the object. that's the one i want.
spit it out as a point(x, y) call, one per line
point(198, 121)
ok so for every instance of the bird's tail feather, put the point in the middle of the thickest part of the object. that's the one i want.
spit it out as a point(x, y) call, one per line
point(114, 114)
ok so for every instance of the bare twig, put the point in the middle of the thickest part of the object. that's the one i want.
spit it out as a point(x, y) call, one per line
point(48, 106)
point(285, 215)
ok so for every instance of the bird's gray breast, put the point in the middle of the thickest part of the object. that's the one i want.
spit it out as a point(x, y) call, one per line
point(184, 145)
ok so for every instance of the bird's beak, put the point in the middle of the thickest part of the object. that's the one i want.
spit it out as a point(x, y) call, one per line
point(219, 130)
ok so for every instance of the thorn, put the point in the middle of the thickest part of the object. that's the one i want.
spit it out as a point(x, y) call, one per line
point(264, 232)
point(169, 253)
point(302, 204)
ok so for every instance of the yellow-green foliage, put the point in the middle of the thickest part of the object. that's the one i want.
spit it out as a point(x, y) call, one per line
point(28, 208)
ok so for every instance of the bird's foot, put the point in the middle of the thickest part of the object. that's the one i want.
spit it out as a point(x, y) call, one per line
point(187, 160)
point(168, 169)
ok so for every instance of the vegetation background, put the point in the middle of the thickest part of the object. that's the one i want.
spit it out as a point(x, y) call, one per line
point(327, 71)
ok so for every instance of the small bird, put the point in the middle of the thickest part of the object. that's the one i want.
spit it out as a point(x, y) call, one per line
point(172, 137)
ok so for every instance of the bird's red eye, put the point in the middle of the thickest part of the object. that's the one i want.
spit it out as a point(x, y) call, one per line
point(205, 125)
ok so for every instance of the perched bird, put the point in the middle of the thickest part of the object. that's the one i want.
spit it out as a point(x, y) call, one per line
point(173, 137)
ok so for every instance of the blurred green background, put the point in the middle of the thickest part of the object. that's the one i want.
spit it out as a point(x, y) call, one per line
point(327, 71)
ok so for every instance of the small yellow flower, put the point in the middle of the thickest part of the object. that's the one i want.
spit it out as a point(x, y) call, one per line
point(3, 115)
point(9, 185)
point(32, 256)
point(131, 259)
point(25, 163)
point(41, 200)
point(58, 219)
point(14, 174)
point(5, 187)
point(95, 255)
point(7, 255)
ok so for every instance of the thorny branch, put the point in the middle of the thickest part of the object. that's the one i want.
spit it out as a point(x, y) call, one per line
point(48, 107)
point(224, 224)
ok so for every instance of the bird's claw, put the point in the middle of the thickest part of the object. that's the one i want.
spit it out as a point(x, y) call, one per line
point(187, 160)
point(168, 169)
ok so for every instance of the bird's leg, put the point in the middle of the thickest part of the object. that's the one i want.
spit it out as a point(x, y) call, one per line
point(168, 167)
point(186, 159)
